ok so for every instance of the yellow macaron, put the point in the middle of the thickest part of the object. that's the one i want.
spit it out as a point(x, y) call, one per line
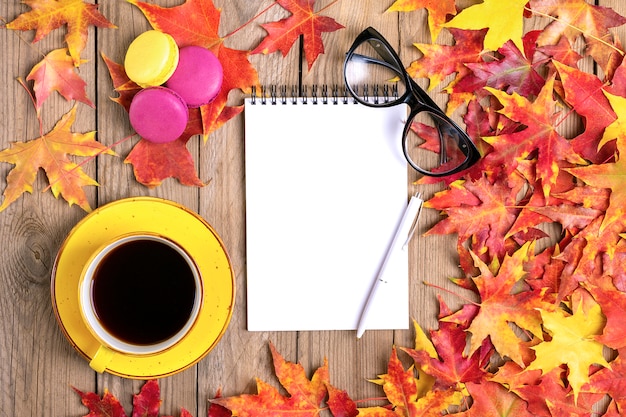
point(151, 58)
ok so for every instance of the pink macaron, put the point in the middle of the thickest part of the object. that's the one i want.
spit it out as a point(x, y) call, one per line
point(198, 76)
point(158, 114)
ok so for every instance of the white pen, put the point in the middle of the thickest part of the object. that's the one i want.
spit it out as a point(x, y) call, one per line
point(404, 232)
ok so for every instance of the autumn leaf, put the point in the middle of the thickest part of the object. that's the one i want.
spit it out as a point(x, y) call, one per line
point(478, 211)
point(47, 15)
point(613, 304)
point(540, 134)
point(56, 72)
point(411, 396)
point(503, 303)
point(439, 61)
point(305, 396)
point(450, 367)
point(573, 343)
point(145, 404)
point(50, 152)
point(492, 399)
point(108, 405)
point(584, 93)
point(303, 21)
point(574, 18)
point(611, 176)
point(503, 19)
point(438, 11)
point(611, 381)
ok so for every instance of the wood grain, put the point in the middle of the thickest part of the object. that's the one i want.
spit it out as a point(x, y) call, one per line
point(37, 364)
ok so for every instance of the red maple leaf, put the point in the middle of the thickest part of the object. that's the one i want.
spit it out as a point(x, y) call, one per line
point(478, 211)
point(539, 136)
point(583, 92)
point(492, 399)
point(452, 367)
point(303, 21)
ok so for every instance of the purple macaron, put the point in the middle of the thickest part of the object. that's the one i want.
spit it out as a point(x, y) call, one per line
point(198, 76)
point(158, 114)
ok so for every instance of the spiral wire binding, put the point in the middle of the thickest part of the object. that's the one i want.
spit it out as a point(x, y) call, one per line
point(320, 94)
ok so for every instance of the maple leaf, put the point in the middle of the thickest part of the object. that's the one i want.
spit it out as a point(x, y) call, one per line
point(492, 399)
point(411, 396)
point(480, 211)
point(438, 12)
point(540, 134)
point(584, 93)
point(154, 162)
point(574, 18)
point(613, 304)
point(305, 397)
point(108, 405)
point(439, 61)
point(512, 72)
point(196, 22)
point(302, 21)
point(449, 367)
point(611, 176)
point(573, 343)
point(148, 401)
point(56, 72)
point(503, 304)
point(50, 152)
point(611, 381)
point(46, 16)
point(503, 19)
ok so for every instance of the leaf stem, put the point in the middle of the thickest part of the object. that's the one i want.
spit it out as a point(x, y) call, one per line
point(32, 99)
point(556, 19)
point(453, 293)
point(262, 12)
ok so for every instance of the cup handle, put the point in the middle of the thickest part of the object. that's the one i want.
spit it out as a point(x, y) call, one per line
point(101, 359)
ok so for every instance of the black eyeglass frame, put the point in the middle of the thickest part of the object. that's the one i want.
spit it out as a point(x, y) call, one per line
point(415, 97)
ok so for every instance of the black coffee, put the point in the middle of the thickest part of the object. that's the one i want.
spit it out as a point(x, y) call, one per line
point(143, 292)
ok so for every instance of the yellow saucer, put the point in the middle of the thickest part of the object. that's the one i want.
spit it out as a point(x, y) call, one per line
point(170, 220)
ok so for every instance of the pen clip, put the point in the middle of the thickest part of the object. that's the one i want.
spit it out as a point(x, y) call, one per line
point(415, 221)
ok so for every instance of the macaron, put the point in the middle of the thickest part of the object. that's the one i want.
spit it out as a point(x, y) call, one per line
point(158, 114)
point(198, 76)
point(151, 58)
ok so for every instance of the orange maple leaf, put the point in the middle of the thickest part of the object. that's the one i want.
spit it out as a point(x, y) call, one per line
point(305, 396)
point(56, 72)
point(303, 21)
point(50, 152)
point(196, 22)
point(438, 11)
point(47, 15)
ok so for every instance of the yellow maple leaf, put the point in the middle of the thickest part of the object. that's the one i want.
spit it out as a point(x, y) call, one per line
point(503, 19)
point(47, 15)
point(50, 152)
point(573, 343)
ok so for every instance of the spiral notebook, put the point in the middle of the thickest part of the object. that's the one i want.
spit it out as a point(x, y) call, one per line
point(326, 186)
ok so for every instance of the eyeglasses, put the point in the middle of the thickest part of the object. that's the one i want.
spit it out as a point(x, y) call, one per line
point(432, 143)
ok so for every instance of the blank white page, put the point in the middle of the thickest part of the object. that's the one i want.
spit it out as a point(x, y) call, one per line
point(326, 186)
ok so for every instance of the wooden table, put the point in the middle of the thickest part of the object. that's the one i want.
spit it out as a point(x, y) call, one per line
point(37, 364)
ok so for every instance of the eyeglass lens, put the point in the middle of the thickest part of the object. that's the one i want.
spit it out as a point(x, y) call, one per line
point(371, 72)
point(376, 78)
